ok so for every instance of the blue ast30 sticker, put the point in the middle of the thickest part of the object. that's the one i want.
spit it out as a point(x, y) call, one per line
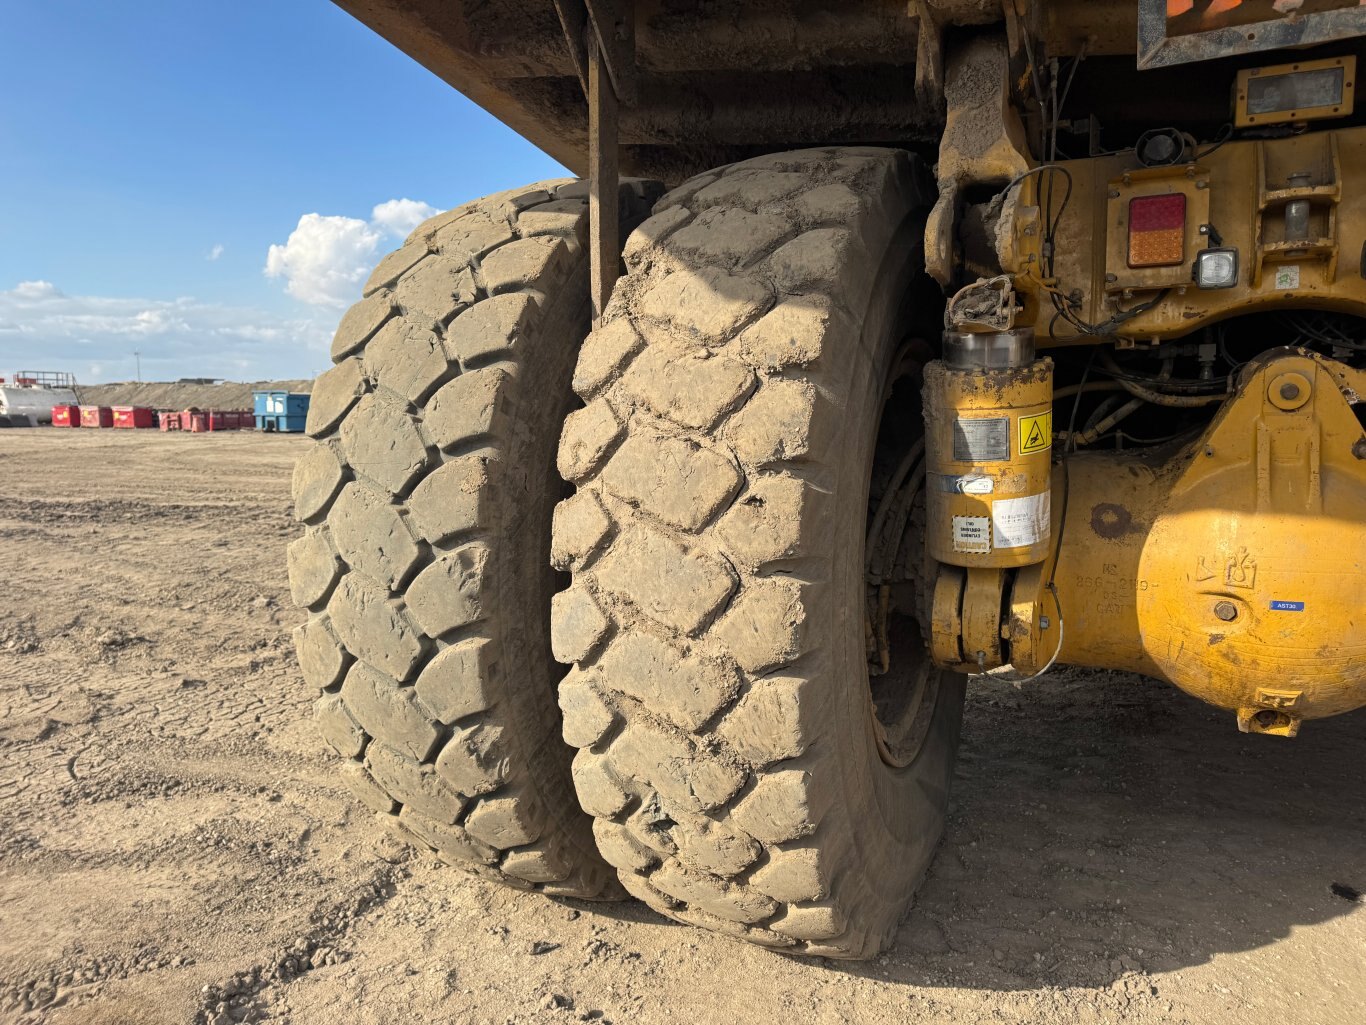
point(1286, 606)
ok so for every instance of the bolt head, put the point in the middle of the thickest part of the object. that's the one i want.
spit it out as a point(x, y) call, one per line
point(1226, 610)
point(1290, 390)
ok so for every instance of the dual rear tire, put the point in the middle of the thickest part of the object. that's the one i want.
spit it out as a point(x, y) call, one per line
point(728, 765)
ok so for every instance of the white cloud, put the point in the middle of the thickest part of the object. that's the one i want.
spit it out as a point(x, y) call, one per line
point(400, 216)
point(36, 290)
point(215, 252)
point(184, 337)
point(327, 257)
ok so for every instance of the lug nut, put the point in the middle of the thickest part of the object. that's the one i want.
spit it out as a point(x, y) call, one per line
point(1226, 611)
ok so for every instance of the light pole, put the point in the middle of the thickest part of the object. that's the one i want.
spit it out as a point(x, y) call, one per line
point(138, 356)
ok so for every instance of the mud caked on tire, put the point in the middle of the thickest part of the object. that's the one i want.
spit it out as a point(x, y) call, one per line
point(729, 749)
point(427, 498)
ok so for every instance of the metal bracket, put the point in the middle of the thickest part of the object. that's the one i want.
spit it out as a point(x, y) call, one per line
point(611, 23)
point(602, 46)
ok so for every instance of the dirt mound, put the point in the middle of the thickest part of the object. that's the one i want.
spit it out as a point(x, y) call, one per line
point(182, 394)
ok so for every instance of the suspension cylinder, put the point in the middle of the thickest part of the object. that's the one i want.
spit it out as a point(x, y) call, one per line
point(988, 442)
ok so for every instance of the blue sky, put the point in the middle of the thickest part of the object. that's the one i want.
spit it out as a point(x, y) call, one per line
point(152, 153)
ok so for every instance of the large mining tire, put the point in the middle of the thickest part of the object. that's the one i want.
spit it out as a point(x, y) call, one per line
point(424, 564)
point(729, 748)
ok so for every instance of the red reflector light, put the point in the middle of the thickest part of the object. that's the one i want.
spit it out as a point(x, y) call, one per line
point(1157, 230)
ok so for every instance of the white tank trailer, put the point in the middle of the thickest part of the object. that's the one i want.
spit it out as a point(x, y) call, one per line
point(33, 393)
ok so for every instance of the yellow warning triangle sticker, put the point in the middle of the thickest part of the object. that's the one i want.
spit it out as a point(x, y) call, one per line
point(1036, 433)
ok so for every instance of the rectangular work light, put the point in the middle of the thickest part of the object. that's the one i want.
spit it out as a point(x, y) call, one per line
point(1216, 268)
point(1157, 230)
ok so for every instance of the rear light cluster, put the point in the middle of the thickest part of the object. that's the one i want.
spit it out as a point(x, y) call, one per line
point(1157, 230)
point(1157, 238)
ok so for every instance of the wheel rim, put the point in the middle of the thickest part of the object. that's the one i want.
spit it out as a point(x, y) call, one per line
point(903, 683)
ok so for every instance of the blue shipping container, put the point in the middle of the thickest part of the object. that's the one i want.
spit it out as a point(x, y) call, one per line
point(281, 410)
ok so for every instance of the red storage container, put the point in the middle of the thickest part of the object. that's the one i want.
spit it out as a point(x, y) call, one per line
point(133, 416)
point(66, 416)
point(97, 416)
point(169, 421)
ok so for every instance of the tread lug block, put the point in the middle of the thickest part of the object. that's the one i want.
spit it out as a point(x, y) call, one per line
point(413, 785)
point(752, 187)
point(474, 760)
point(672, 479)
point(720, 897)
point(334, 393)
point(716, 848)
point(337, 727)
point(500, 327)
point(587, 718)
point(776, 719)
point(371, 535)
point(395, 265)
point(577, 624)
point(792, 334)
point(456, 498)
point(363, 785)
point(706, 306)
point(765, 627)
point(580, 527)
point(313, 568)
point(467, 237)
point(468, 408)
point(507, 820)
point(604, 353)
point(318, 476)
point(824, 260)
point(812, 922)
point(620, 850)
point(795, 873)
point(652, 233)
point(523, 264)
point(562, 218)
point(727, 237)
point(773, 520)
point(460, 680)
point(322, 659)
point(686, 689)
point(435, 287)
point(373, 628)
point(382, 442)
point(674, 586)
point(536, 866)
point(693, 389)
point(684, 775)
point(835, 203)
point(785, 805)
point(453, 843)
point(359, 323)
point(388, 712)
point(681, 195)
point(407, 361)
point(588, 435)
point(641, 890)
point(599, 794)
point(782, 421)
point(451, 592)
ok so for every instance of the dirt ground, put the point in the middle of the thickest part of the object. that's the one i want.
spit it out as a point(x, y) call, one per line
point(175, 847)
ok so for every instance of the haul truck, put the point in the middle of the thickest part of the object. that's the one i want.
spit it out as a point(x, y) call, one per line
point(657, 520)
